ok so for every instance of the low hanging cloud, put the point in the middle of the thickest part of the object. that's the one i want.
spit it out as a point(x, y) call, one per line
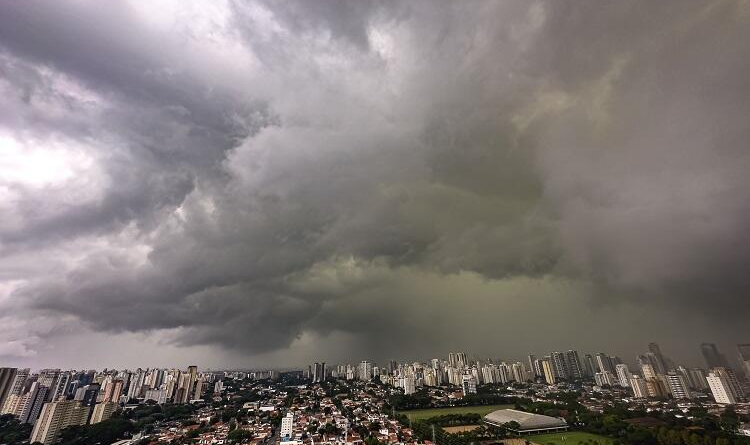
point(390, 179)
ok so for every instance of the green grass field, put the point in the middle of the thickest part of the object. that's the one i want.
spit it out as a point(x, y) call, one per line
point(568, 438)
point(482, 410)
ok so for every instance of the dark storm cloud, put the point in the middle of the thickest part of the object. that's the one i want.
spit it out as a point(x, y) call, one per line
point(377, 171)
point(158, 132)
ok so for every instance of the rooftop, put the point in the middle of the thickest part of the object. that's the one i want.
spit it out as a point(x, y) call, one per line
point(527, 421)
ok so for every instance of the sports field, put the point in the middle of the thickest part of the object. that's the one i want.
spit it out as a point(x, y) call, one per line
point(482, 410)
point(569, 438)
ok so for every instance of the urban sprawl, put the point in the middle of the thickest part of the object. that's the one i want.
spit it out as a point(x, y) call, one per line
point(556, 399)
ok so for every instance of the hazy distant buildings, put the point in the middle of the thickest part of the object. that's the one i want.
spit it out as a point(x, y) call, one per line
point(457, 359)
point(656, 359)
point(712, 356)
point(589, 365)
point(575, 367)
point(744, 356)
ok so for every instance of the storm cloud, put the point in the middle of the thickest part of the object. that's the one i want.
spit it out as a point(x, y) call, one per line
point(273, 182)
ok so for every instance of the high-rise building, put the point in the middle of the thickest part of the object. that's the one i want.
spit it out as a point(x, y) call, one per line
point(720, 388)
point(678, 386)
point(638, 385)
point(19, 382)
point(604, 363)
point(30, 404)
point(102, 411)
point(457, 359)
point(468, 385)
point(712, 356)
point(698, 378)
point(55, 417)
point(657, 358)
point(318, 372)
point(287, 426)
point(605, 378)
point(744, 356)
point(575, 368)
point(656, 387)
point(191, 381)
point(623, 375)
point(654, 348)
point(365, 370)
point(648, 371)
point(532, 359)
point(519, 372)
point(549, 372)
point(393, 366)
point(729, 379)
point(409, 384)
point(159, 396)
point(87, 395)
point(136, 384)
point(7, 377)
point(59, 390)
point(113, 390)
point(559, 365)
point(588, 365)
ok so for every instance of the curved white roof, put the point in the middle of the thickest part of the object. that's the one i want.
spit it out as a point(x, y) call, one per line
point(528, 421)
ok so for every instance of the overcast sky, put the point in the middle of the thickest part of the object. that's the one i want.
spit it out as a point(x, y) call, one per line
point(268, 183)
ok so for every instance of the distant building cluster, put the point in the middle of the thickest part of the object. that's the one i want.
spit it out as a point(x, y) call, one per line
point(655, 375)
point(52, 400)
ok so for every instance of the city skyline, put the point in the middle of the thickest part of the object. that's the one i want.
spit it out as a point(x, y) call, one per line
point(52, 405)
point(737, 358)
point(272, 183)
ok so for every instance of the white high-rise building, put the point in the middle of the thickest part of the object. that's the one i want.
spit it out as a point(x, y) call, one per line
point(726, 384)
point(623, 375)
point(287, 426)
point(720, 388)
point(549, 374)
point(518, 371)
point(468, 385)
point(638, 385)
point(365, 370)
point(605, 378)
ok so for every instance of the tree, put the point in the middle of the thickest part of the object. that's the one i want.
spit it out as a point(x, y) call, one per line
point(12, 431)
point(239, 435)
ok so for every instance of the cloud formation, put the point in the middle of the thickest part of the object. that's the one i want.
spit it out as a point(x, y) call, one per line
point(286, 180)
